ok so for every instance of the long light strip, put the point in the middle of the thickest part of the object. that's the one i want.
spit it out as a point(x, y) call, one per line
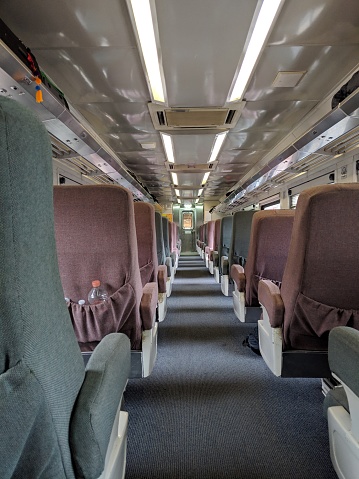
point(200, 191)
point(177, 192)
point(263, 24)
point(145, 30)
point(174, 178)
point(168, 146)
point(205, 178)
point(179, 201)
point(197, 200)
point(217, 146)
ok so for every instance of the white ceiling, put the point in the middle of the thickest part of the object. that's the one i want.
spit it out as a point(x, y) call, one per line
point(89, 50)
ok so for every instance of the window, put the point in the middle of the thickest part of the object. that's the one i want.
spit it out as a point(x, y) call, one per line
point(271, 206)
point(187, 220)
point(293, 201)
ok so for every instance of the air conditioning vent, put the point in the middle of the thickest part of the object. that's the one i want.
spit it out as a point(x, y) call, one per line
point(192, 168)
point(230, 116)
point(161, 118)
point(183, 119)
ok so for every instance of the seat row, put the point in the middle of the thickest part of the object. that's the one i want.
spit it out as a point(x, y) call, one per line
point(102, 234)
point(293, 270)
point(297, 275)
point(60, 410)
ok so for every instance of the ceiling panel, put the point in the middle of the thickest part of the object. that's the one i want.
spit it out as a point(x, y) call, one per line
point(324, 65)
point(89, 50)
point(118, 118)
point(238, 156)
point(269, 115)
point(192, 149)
point(317, 22)
point(89, 75)
point(201, 43)
point(69, 23)
point(256, 140)
point(129, 142)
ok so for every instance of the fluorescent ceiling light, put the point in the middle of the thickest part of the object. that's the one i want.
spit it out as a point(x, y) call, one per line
point(197, 200)
point(174, 178)
point(205, 178)
point(200, 192)
point(168, 145)
point(261, 29)
point(145, 29)
point(179, 201)
point(177, 192)
point(217, 146)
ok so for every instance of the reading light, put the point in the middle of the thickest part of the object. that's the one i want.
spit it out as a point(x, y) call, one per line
point(177, 192)
point(200, 192)
point(217, 146)
point(168, 145)
point(174, 178)
point(205, 178)
point(141, 10)
point(265, 20)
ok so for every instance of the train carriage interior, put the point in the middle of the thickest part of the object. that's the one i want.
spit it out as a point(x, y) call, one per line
point(179, 227)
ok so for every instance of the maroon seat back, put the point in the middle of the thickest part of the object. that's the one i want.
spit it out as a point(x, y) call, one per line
point(210, 236)
point(320, 282)
point(146, 241)
point(268, 250)
point(96, 239)
point(173, 236)
point(205, 234)
point(217, 234)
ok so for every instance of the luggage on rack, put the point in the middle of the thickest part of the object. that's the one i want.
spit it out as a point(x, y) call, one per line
point(346, 90)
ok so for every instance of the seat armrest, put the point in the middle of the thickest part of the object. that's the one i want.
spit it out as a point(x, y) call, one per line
point(225, 265)
point(238, 276)
point(270, 298)
point(97, 404)
point(169, 266)
point(343, 356)
point(162, 278)
point(148, 304)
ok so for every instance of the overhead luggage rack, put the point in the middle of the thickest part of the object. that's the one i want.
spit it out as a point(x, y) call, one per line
point(17, 74)
point(335, 133)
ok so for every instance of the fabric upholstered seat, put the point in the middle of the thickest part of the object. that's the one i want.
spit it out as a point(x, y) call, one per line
point(166, 241)
point(152, 273)
point(173, 240)
point(164, 269)
point(164, 282)
point(319, 288)
point(224, 245)
point(204, 241)
point(110, 255)
point(50, 423)
point(259, 248)
point(213, 254)
point(210, 242)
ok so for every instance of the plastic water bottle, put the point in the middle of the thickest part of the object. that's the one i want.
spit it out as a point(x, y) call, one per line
point(97, 294)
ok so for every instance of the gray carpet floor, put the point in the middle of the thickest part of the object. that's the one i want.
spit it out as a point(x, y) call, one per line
point(211, 409)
